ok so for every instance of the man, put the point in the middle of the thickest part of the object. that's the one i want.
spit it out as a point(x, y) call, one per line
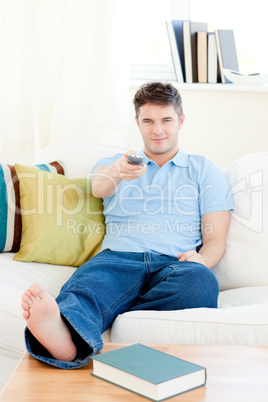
point(166, 225)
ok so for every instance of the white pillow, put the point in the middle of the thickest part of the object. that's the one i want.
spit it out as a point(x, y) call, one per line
point(78, 159)
point(245, 260)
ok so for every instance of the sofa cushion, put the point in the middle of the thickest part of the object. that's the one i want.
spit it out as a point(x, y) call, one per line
point(243, 296)
point(239, 325)
point(15, 278)
point(62, 222)
point(10, 217)
point(244, 263)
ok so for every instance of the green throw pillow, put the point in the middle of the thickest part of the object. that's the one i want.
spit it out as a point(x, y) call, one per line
point(62, 222)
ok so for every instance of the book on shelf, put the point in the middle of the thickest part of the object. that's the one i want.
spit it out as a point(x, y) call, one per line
point(226, 51)
point(190, 30)
point(148, 372)
point(175, 35)
point(202, 57)
point(213, 61)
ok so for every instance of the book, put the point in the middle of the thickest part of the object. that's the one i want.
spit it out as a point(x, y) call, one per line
point(175, 34)
point(202, 57)
point(190, 30)
point(148, 372)
point(226, 51)
point(213, 62)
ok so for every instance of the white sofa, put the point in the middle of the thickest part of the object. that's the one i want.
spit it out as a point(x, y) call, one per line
point(242, 317)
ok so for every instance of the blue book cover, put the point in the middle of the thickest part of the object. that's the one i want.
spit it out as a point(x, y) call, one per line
point(148, 372)
point(176, 43)
point(175, 32)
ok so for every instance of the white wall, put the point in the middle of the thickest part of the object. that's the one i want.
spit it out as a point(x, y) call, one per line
point(221, 123)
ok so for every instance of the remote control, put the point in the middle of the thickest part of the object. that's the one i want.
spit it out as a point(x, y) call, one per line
point(135, 159)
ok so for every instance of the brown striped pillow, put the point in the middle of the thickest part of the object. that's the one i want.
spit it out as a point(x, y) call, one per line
point(10, 217)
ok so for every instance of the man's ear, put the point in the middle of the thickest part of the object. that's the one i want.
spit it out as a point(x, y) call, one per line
point(182, 118)
point(137, 120)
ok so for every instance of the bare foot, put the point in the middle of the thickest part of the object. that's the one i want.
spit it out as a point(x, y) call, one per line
point(43, 319)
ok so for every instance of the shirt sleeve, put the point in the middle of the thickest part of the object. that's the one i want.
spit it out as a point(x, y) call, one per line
point(215, 192)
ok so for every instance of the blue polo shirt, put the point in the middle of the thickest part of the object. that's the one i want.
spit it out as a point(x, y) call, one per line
point(161, 211)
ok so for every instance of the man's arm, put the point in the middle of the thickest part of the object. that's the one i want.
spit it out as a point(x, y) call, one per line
point(214, 228)
point(106, 179)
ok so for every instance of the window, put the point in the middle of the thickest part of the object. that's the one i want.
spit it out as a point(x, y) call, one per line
point(150, 55)
point(150, 52)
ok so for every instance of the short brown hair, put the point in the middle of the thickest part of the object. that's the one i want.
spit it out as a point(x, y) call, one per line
point(160, 94)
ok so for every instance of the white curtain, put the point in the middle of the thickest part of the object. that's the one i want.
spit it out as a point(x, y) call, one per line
point(64, 73)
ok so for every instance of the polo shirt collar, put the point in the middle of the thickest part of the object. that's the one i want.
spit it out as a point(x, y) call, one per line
point(180, 159)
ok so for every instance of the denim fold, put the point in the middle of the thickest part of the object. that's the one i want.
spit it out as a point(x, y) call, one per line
point(114, 282)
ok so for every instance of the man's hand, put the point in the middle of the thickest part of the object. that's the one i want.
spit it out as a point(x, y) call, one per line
point(106, 179)
point(125, 171)
point(192, 256)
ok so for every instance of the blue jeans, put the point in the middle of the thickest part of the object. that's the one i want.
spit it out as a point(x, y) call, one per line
point(112, 283)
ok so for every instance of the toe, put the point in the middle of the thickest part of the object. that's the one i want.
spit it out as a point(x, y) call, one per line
point(25, 306)
point(26, 299)
point(26, 314)
point(37, 291)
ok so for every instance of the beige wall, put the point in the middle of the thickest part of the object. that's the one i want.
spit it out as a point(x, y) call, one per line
point(221, 123)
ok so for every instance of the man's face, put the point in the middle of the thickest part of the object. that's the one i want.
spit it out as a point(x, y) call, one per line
point(159, 126)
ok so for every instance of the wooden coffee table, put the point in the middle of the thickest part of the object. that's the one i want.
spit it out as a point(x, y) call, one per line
point(234, 373)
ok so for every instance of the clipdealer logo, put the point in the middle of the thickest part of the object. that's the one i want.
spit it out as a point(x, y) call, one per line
point(248, 192)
